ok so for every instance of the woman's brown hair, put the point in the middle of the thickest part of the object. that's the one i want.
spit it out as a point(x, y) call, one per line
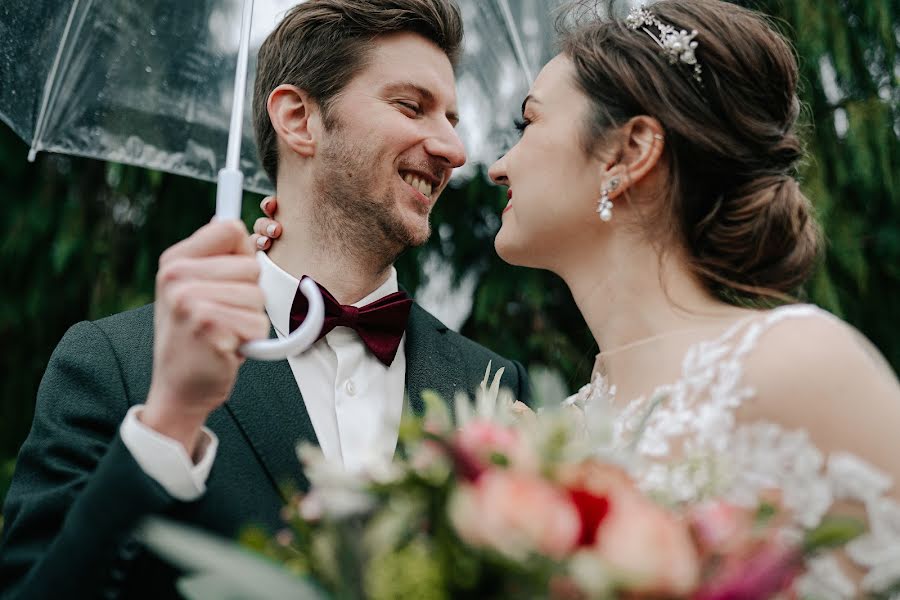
point(731, 140)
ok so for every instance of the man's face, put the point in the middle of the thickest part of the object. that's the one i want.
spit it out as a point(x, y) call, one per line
point(392, 147)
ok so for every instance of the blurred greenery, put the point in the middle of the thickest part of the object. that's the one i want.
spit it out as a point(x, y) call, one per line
point(81, 238)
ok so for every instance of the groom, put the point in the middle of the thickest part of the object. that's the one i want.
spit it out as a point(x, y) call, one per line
point(355, 110)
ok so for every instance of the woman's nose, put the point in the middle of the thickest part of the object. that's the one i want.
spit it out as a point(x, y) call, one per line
point(497, 172)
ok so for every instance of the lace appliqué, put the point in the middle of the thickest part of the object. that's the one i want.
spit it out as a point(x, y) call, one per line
point(685, 445)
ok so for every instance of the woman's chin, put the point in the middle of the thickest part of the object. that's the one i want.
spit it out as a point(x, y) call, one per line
point(510, 249)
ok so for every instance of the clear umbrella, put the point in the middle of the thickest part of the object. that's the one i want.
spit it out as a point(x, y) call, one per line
point(167, 85)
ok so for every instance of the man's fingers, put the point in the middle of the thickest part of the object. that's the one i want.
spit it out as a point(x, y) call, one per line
point(213, 268)
point(185, 297)
point(226, 327)
point(218, 237)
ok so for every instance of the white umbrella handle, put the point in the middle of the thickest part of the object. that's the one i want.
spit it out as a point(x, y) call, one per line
point(228, 206)
point(302, 338)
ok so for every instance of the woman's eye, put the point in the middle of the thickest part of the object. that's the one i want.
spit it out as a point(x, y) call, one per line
point(410, 106)
point(521, 124)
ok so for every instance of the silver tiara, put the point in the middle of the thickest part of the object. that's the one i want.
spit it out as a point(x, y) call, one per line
point(678, 46)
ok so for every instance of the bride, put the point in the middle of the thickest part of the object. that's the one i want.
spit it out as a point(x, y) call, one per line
point(669, 206)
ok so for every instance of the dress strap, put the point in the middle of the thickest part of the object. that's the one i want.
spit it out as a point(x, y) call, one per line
point(754, 327)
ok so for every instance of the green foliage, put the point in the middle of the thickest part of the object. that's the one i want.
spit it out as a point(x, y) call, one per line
point(848, 53)
point(81, 239)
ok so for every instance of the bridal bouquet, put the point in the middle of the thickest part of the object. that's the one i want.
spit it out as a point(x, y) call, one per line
point(496, 501)
point(500, 502)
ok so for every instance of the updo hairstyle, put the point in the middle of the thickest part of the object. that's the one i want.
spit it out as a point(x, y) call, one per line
point(731, 142)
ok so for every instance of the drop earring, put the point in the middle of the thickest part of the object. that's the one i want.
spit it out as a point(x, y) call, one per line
point(605, 205)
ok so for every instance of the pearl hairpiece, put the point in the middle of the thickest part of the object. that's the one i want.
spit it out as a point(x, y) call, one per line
point(678, 46)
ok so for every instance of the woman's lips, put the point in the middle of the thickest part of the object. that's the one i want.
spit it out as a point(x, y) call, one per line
point(509, 203)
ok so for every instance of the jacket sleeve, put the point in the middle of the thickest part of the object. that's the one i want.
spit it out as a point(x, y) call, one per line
point(77, 493)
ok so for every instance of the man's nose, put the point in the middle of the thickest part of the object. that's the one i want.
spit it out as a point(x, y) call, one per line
point(445, 143)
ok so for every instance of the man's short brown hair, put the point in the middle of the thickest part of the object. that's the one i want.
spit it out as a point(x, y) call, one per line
point(321, 45)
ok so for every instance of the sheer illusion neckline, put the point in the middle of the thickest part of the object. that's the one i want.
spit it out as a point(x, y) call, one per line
point(646, 340)
point(717, 339)
point(684, 443)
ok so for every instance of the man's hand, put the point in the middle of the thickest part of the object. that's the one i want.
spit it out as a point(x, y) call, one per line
point(208, 303)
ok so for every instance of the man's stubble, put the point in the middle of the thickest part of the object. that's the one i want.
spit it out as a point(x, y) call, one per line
point(361, 223)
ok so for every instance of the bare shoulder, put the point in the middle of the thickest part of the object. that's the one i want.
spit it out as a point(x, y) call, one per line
point(811, 371)
point(805, 351)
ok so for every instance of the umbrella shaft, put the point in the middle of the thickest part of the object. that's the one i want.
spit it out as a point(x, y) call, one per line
point(233, 158)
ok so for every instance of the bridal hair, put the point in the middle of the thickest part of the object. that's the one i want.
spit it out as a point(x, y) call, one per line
point(732, 146)
point(320, 45)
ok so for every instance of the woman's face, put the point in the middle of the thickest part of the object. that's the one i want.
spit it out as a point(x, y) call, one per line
point(553, 185)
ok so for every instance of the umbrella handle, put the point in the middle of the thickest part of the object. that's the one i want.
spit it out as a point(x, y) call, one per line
point(228, 206)
point(302, 338)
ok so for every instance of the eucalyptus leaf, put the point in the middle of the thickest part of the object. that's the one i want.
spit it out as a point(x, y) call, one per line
point(218, 564)
point(832, 532)
point(437, 413)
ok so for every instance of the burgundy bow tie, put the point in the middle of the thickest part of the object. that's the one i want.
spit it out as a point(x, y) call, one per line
point(380, 324)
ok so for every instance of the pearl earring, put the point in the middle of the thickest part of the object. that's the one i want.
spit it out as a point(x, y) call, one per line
point(605, 205)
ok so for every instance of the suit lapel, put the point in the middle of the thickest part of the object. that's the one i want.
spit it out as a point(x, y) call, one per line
point(269, 409)
point(432, 360)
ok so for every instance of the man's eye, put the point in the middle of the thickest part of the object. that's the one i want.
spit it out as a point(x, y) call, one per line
point(410, 106)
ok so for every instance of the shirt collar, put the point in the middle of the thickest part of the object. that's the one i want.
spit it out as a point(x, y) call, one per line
point(279, 287)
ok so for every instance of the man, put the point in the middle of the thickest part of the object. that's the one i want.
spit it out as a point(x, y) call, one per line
point(355, 108)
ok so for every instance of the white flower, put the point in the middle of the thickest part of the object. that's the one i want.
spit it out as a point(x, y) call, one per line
point(491, 402)
point(336, 492)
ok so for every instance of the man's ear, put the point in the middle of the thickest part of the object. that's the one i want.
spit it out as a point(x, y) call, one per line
point(642, 147)
point(295, 118)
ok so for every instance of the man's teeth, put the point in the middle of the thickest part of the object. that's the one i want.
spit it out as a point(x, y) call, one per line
point(420, 184)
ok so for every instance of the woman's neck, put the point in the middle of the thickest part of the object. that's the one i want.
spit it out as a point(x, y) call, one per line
point(627, 293)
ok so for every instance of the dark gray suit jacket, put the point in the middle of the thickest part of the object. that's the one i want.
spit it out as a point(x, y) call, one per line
point(77, 492)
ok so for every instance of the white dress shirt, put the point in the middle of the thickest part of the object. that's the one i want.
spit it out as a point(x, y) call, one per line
point(354, 401)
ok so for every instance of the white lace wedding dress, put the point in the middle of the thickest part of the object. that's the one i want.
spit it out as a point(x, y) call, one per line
point(686, 442)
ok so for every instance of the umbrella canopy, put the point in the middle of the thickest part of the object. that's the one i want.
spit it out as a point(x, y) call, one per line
point(150, 83)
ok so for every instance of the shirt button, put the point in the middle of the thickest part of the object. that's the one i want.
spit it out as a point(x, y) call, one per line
point(350, 387)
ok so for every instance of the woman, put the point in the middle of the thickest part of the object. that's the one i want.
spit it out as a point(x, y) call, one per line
point(668, 205)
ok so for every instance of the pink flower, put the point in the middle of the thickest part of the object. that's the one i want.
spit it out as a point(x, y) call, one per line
point(648, 549)
point(516, 514)
point(763, 573)
point(480, 443)
point(720, 527)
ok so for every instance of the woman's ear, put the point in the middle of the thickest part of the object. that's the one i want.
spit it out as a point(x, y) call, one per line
point(642, 147)
point(295, 118)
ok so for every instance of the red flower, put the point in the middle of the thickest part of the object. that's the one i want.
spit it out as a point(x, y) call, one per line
point(592, 509)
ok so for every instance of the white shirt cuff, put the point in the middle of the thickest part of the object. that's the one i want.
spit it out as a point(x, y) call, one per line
point(167, 461)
